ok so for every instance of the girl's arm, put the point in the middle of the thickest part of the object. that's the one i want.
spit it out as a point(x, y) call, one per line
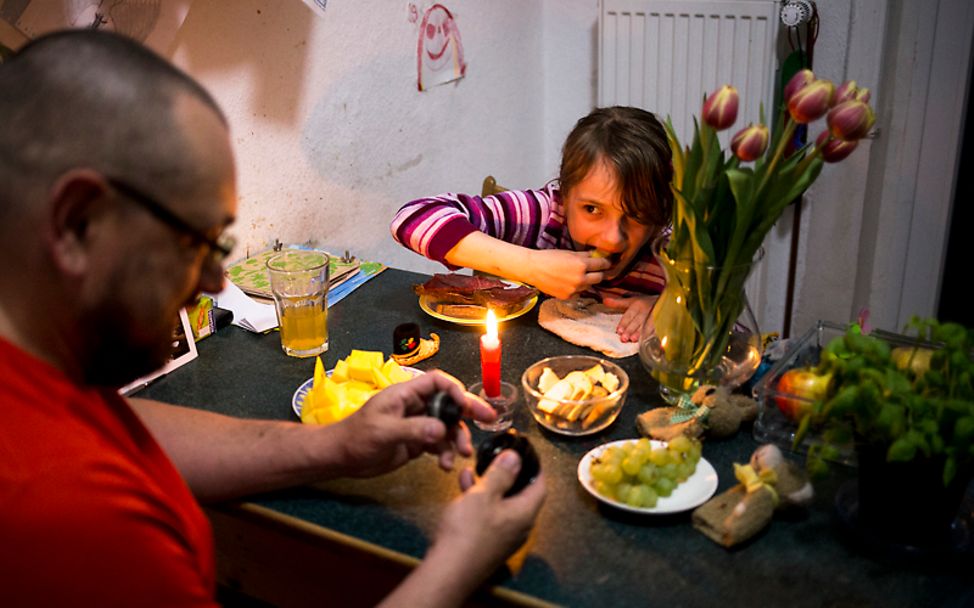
point(502, 235)
point(556, 272)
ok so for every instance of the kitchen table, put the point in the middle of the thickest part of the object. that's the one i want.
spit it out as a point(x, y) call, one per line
point(347, 542)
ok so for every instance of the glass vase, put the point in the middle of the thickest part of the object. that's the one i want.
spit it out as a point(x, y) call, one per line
point(702, 329)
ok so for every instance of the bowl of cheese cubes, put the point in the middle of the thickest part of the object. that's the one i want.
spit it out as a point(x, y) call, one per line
point(575, 394)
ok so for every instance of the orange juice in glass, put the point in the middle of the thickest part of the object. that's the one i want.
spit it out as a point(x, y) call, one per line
point(299, 282)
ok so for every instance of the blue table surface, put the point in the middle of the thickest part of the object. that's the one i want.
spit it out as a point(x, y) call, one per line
point(581, 553)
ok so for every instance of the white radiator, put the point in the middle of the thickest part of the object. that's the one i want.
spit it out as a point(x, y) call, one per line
point(666, 55)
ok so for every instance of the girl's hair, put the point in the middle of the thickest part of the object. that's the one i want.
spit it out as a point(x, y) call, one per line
point(633, 143)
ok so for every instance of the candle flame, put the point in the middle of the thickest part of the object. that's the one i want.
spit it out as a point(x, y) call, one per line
point(491, 325)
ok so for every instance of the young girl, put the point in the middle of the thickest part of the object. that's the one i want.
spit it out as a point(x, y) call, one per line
point(589, 231)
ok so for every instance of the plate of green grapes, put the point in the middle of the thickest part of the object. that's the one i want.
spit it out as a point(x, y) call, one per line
point(649, 476)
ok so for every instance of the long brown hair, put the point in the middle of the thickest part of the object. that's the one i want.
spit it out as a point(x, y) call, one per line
point(633, 143)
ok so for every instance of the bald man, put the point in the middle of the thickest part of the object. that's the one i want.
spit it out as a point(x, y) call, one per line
point(116, 189)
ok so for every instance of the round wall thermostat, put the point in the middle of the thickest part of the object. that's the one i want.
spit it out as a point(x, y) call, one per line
point(796, 12)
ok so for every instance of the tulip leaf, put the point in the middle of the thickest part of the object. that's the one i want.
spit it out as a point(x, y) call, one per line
point(676, 152)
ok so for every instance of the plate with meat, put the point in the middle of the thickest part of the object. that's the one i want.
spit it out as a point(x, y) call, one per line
point(465, 299)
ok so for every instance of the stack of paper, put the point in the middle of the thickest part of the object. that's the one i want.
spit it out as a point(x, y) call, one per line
point(247, 313)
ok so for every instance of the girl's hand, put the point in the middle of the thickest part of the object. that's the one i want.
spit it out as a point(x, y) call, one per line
point(637, 309)
point(563, 274)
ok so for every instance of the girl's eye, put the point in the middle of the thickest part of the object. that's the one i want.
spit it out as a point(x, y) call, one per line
point(590, 209)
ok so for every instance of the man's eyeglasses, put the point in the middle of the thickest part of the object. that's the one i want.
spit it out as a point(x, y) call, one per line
point(220, 247)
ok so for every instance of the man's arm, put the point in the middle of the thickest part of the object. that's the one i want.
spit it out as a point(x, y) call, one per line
point(222, 457)
point(478, 531)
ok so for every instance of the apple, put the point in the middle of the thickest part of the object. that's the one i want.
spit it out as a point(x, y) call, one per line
point(915, 359)
point(798, 388)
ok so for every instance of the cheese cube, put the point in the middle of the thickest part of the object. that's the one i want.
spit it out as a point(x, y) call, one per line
point(595, 373)
point(547, 379)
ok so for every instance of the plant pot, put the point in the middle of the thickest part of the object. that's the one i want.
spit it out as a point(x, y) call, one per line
point(906, 504)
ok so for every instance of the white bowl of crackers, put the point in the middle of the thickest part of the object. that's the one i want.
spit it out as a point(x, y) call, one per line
point(575, 394)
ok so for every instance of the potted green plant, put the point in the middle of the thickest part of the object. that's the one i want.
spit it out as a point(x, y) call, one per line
point(908, 405)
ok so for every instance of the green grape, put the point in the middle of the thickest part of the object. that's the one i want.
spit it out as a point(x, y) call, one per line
point(601, 487)
point(683, 471)
point(597, 470)
point(622, 491)
point(613, 473)
point(649, 496)
point(668, 470)
point(632, 463)
point(659, 456)
point(665, 486)
point(643, 449)
point(614, 454)
point(648, 474)
point(680, 443)
point(634, 496)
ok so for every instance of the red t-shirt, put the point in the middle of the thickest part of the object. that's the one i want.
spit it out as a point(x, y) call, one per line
point(92, 512)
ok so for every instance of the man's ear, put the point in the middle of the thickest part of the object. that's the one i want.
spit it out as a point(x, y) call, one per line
point(76, 202)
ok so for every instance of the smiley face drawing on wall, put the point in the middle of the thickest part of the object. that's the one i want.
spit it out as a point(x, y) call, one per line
point(439, 53)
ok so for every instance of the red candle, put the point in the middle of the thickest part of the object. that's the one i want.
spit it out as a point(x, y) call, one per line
point(490, 358)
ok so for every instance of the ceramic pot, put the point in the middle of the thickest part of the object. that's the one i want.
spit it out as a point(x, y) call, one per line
point(906, 503)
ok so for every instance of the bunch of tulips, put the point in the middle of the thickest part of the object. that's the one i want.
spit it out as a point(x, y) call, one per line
point(725, 204)
point(849, 117)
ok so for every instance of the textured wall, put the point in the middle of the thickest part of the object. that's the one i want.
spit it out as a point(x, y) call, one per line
point(332, 135)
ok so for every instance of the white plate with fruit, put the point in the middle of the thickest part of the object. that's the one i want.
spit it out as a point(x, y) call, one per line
point(677, 478)
point(349, 385)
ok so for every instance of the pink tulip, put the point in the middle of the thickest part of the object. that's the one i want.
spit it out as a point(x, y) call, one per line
point(834, 150)
point(851, 120)
point(750, 142)
point(798, 81)
point(812, 101)
point(720, 108)
point(850, 90)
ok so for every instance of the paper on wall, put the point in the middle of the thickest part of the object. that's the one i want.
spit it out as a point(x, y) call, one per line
point(318, 6)
point(439, 52)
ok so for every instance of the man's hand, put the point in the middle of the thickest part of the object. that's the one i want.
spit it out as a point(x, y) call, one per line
point(482, 527)
point(637, 309)
point(478, 531)
point(487, 517)
point(563, 274)
point(393, 428)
